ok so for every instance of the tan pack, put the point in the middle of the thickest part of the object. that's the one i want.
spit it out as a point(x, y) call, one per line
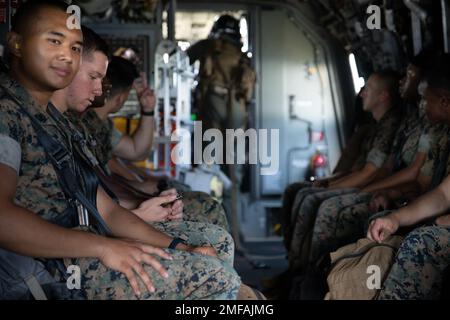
point(359, 269)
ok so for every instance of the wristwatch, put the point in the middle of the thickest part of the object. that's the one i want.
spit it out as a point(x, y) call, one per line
point(175, 242)
point(148, 113)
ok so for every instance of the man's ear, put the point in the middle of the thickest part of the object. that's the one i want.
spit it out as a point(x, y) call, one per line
point(14, 41)
point(115, 100)
point(123, 97)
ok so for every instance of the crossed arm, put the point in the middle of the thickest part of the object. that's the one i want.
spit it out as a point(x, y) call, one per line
point(403, 176)
point(357, 179)
point(23, 232)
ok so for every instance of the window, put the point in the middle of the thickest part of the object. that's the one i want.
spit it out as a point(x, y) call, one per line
point(358, 82)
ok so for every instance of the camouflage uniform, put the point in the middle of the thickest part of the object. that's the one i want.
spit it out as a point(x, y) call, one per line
point(350, 159)
point(303, 223)
point(419, 266)
point(376, 151)
point(198, 206)
point(193, 276)
point(424, 256)
point(211, 210)
point(200, 234)
point(341, 220)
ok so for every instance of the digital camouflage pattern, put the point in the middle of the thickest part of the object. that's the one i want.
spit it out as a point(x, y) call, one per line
point(200, 234)
point(378, 144)
point(419, 266)
point(438, 157)
point(192, 276)
point(304, 223)
point(411, 138)
point(335, 228)
point(37, 187)
point(201, 207)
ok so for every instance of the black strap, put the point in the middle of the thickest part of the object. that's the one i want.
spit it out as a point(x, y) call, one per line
point(60, 159)
point(175, 242)
point(398, 161)
point(94, 173)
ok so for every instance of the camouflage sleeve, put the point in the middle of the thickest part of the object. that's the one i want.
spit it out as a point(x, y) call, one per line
point(10, 137)
point(437, 140)
point(381, 146)
point(10, 152)
point(115, 137)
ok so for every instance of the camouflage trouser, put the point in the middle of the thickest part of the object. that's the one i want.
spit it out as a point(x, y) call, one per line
point(303, 222)
point(201, 207)
point(340, 220)
point(418, 269)
point(191, 277)
point(286, 208)
point(199, 234)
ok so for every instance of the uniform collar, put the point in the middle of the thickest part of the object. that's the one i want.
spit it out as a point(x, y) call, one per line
point(27, 101)
point(391, 112)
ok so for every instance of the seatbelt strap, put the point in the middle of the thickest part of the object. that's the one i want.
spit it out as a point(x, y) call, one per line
point(35, 288)
point(85, 152)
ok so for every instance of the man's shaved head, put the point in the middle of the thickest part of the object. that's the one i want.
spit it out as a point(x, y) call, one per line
point(388, 80)
point(24, 18)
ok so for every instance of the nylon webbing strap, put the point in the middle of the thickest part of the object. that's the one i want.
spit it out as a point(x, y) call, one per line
point(35, 288)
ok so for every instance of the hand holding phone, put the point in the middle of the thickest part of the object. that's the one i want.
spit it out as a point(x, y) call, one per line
point(167, 204)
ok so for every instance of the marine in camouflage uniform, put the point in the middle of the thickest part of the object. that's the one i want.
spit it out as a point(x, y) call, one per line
point(193, 276)
point(197, 206)
point(341, 220)
point(376, 151)
point(424, 256)
point(226, 83)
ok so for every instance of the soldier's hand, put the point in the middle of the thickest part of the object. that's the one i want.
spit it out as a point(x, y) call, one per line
point(145, 95)
point(443, 221)
point(177, 211)
point(152, 210)
point(205, 250)
point(177, 206)
point(379, 202)
point(381, 228)
point(128, 257)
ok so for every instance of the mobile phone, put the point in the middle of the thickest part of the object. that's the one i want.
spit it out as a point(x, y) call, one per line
point(179, 196)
